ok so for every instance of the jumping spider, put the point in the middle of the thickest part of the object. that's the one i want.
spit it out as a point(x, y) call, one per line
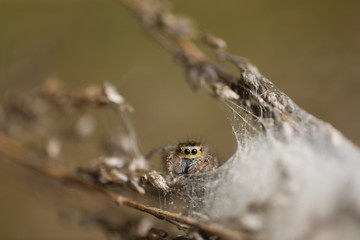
point(187, 157)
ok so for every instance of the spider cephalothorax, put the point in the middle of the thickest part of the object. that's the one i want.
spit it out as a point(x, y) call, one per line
point(188, 157)
point(189, 150)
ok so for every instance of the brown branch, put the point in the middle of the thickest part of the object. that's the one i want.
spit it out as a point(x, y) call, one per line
point(12, 150)
point(256, 95)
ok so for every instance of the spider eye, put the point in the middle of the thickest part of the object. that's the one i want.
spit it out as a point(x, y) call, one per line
point(179, 150)
point(187, 151)
point(194, 151)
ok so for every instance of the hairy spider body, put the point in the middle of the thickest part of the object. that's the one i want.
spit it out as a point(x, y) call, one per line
point(188, 157)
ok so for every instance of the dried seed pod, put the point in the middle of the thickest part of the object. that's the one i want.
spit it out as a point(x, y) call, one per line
point(157, 180)
point(133, 184)
point(215, 42)
point(112, 94)
point(118, 176)
point(53, 148)
point(104, 176)
point(177, 26)
point(224, 92)
point(114, 97)
point(113, 162)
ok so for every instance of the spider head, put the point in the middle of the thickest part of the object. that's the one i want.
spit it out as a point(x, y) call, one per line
point(190, 150)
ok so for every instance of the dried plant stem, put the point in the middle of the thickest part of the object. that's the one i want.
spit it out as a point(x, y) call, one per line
point(11, 149)
point(247, 88)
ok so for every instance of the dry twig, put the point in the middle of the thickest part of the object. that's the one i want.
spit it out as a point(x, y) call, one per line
point(247, 88)
point(11, 149)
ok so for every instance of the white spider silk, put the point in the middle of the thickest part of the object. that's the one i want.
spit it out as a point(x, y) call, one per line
point(303, 186)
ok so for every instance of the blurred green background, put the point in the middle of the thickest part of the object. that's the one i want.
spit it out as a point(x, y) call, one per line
point(309, 49)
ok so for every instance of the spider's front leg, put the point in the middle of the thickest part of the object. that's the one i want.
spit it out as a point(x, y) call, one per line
point(216, 163)
point(201, 165)
point(210, 161)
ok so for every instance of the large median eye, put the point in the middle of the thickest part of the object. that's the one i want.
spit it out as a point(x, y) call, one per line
point(187, 151)
point(194, 151)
